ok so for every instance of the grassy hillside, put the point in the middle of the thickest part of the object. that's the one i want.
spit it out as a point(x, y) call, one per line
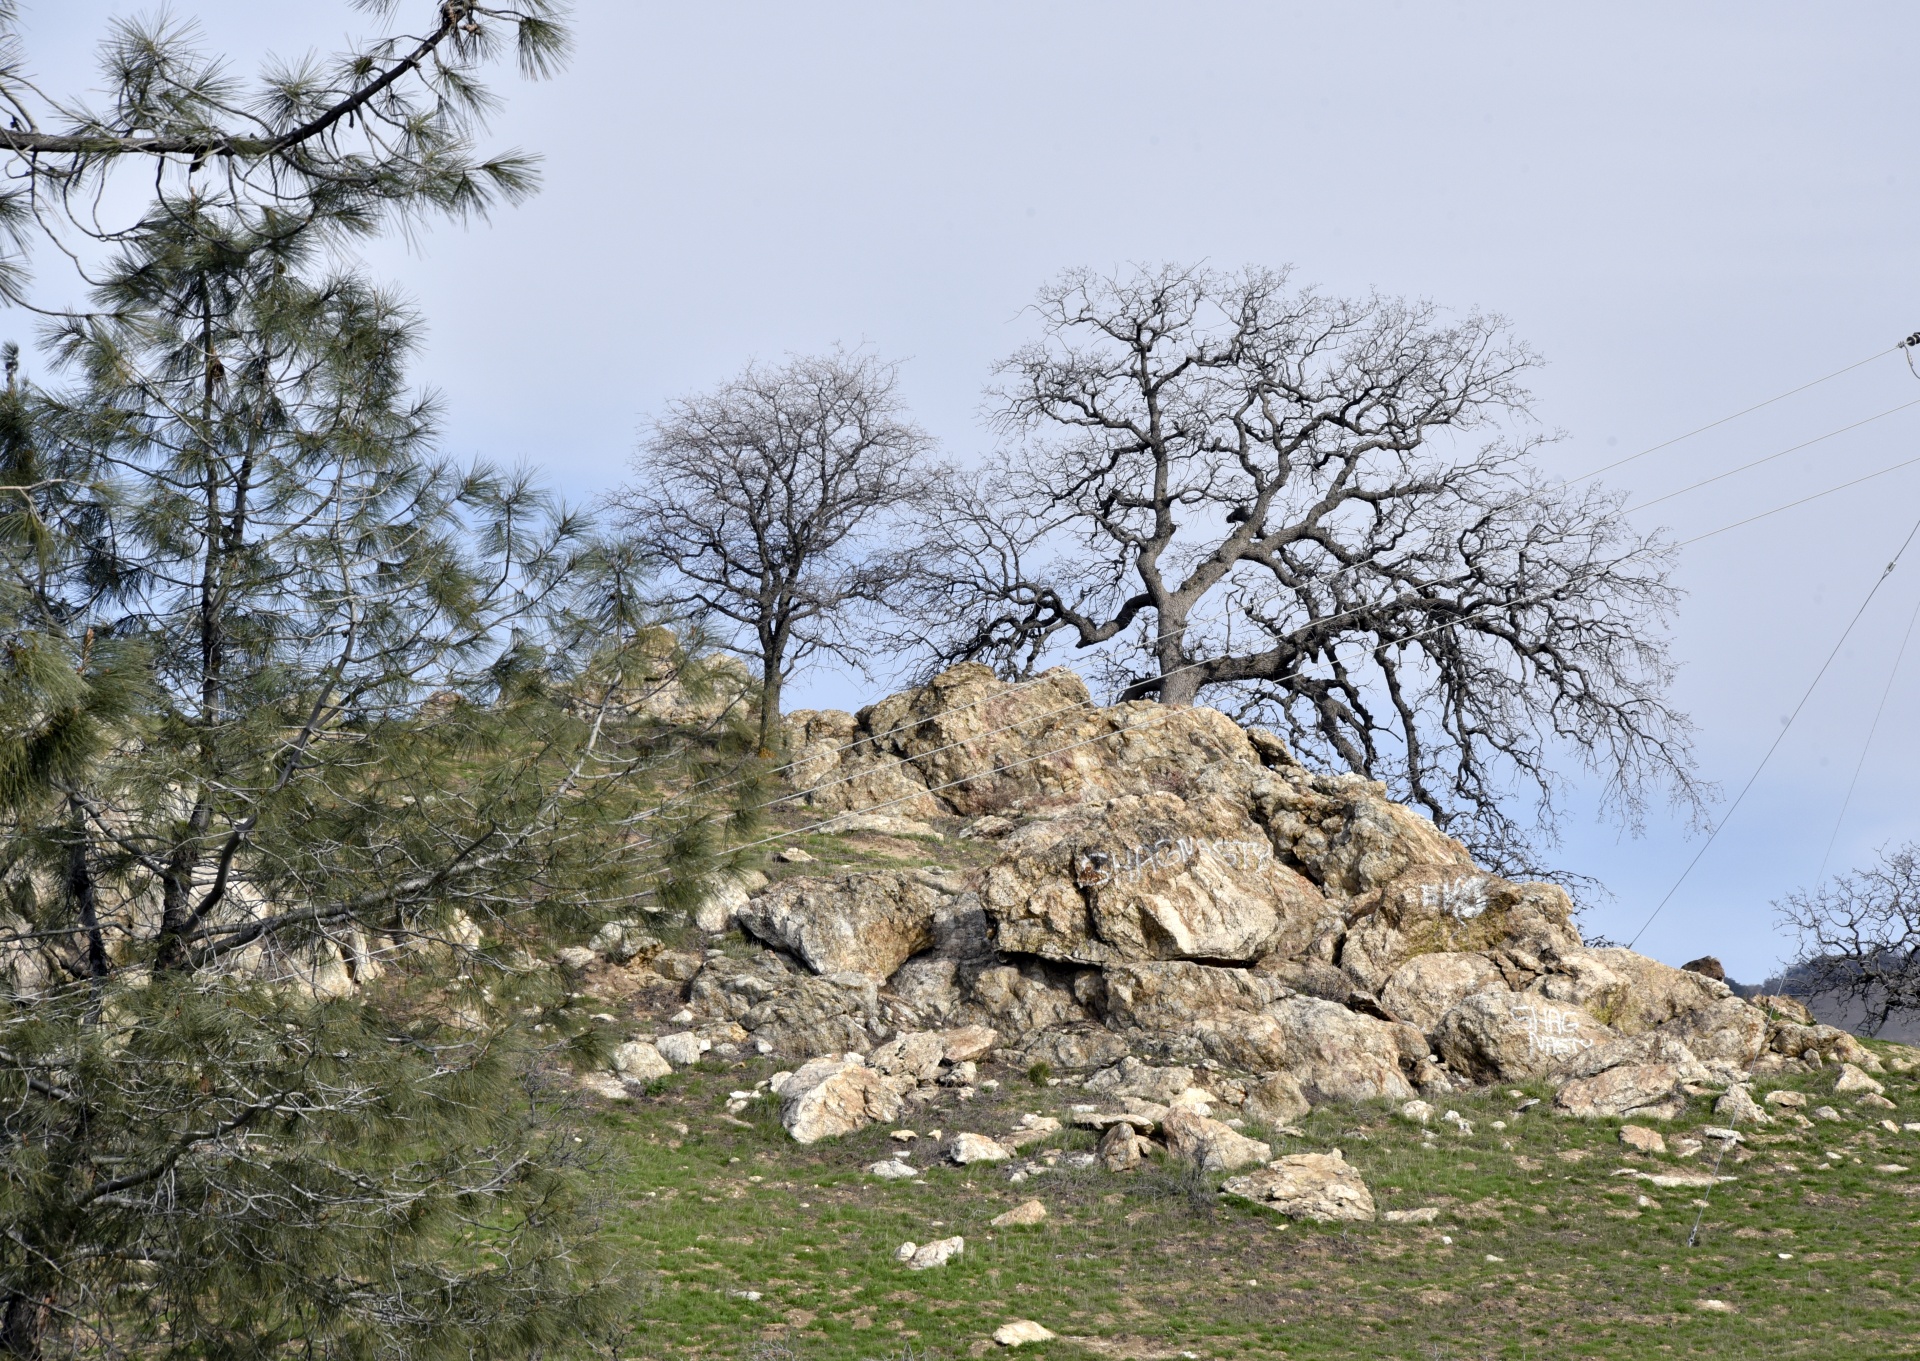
point(1540, 1249)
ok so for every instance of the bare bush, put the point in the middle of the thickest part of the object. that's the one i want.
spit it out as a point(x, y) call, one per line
point(1859, 937)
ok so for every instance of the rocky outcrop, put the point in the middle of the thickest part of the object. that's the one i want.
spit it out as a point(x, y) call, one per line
point(1155, 892)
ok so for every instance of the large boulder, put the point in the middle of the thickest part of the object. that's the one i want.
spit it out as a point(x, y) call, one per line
point(1426, 987)
point(1656, 993)
point(1506, 1036)
point(1428, 910)
point(1632, 1077)
point(1246, 1020)
point(1146, 877)
point(829, 1097)
point(1209, 1144)
point(1318, 1186)
point(1729, 1030)
point(869, 923)
point(1344, 831)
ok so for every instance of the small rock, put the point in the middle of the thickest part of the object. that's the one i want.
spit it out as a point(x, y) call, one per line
point(1641, 1138)
point(892, 1169)
point(1889, 1127)
point(1426, 1214)
point(1713, 1306)
point(1684, 1147)
point(1874, 1101)
point(934, 1254)
point(1889, 1167)
point(1729, 1136)
point(792, 855)
point(681, 1017)
point(603, 1085)
point(1826, 1113)
point(1791, 1100)
point(1029, 1212)
point(1417, 1111)
point(903, 1136)
point(576, 957)
point(750, 1296)
point(682, 1049)
point(904, 1253)
point(975, 1148)
point(1853, 1079)
point(1021, 1330)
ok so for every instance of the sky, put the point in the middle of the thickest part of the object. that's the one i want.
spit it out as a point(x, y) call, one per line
point(1687, 209)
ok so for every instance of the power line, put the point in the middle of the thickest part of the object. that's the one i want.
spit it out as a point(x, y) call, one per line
point(1805, 444)
point(1745, 411)
point(1867, 745)
point(1891, 468)
point(1785, 728)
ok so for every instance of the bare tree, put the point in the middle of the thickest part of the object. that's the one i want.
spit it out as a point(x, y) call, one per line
point(1860, 937)
point(768, 497)
point(1312, 509)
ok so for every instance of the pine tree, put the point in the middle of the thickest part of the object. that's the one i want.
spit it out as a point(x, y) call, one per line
point(306, 736)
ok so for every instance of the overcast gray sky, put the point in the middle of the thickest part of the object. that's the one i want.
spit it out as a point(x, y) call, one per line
point(1686, 208)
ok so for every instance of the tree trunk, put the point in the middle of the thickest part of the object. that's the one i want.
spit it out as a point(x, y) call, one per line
point(1179, 680)
point(22, 1326)
point(769, 707)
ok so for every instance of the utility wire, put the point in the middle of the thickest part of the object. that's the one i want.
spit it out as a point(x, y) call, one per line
point(1765, 514)
point(1867, 745)
point(1785, 728)
point(1745, 411)
point(1717, 477)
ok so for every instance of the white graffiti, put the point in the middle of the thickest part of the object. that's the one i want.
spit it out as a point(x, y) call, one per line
point(1462, 898)
point(1551, 1031)
point(1096, 869)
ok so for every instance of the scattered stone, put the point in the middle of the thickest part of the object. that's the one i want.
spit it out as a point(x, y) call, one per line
point(933, 1254)
point(1028, 1212)
point(1727, 1136)
point(1889, 1167)
point(1791, 1100)
point(1737, 1107)
point(1684, 1147)
point(603, 1085)
point(750, 1296)
point(1713, 1306)
point(1826, 1113)
point(833, 1096)
point(1419, 1112)
point(1876, 1102)
point(975, 1148)
point(1121, 1149)
point(882, 823)
point(1641, 1138)
point(903, 1136)
point(892, 1169)
point(1021, 1330)
point(1317, 1186)
point(681, 1050)
point(575, 957)
point(968, 1043)
point(1852, 1079)
point(1426, 1214)
point(622, 942)
point(1209, 1144)
point(792, 855)
point(638, 1061)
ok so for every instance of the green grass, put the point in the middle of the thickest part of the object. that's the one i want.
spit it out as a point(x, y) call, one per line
point(1154, 1264)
